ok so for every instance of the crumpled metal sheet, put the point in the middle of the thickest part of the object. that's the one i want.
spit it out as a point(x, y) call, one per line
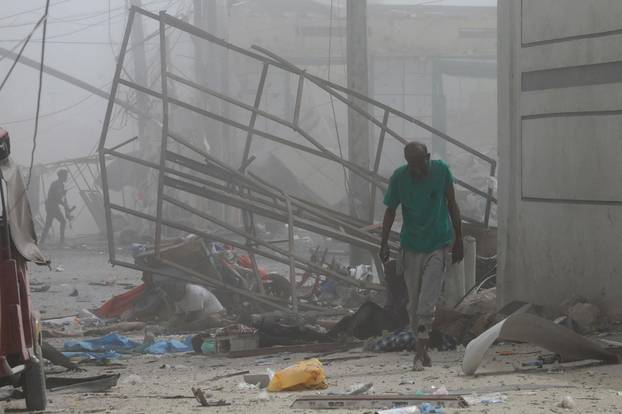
point(523, 327)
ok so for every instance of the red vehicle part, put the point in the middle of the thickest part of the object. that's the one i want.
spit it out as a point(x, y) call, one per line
point(16, 327)
point(21, 360)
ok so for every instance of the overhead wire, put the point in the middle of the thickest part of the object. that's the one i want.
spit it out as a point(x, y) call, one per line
point(17, 45)
point(59, 42)
point(31, 10)
point(73, 105)
point(34, 138)
point(19, 54)
point(332, 103)
point(74, 18)
point(116, 17)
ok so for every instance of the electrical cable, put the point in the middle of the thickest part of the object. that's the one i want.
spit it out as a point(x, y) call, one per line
point(31, 10)
point(19, 55)
point(73, 105)
point(34, 138)
point(332, 103)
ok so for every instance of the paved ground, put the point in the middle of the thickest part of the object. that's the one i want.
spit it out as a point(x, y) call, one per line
point(596, 389)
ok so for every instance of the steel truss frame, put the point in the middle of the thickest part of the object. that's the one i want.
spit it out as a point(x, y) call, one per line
point(214, 180)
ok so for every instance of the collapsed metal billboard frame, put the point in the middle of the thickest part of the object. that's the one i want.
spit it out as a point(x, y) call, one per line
point(214, 180)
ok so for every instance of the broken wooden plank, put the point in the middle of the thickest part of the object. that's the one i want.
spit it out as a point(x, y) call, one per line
point(352, 402)
point(304, 348)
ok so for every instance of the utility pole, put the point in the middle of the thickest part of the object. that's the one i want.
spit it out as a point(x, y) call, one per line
point(439, 109)
point(358, 126)
point(140, 77)
point(211, 68)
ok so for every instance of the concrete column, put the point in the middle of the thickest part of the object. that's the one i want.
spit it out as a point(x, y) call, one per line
point(454, 288)
point(358, 126)
point(470, 262)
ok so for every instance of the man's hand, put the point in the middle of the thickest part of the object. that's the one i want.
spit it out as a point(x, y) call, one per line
point(457, 252)
point(385, 252)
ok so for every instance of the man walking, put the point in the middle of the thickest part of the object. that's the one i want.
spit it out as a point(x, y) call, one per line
point(431, 230)
point(56, 198)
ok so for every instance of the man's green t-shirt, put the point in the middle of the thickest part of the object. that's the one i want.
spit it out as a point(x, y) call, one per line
point(427, 226)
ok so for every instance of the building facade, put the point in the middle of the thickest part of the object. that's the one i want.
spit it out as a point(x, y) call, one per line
point(560, 151)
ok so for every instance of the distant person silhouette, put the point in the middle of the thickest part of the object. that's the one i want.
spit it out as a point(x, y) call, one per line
point(57, 197)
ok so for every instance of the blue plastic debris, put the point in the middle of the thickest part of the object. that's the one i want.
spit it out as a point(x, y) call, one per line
point(122, 344)
point(110, 342)
point(169, 346)
point(427, 408)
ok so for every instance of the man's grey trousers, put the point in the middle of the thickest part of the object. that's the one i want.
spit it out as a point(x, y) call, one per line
point(424, 274)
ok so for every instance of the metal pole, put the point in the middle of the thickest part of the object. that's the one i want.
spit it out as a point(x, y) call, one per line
point(251, 124)
point(249, 221)
point(104, 134)
point(292, 264)
point(164, 78)
point(358, 127)
point(140, 74)
point(489, 198)
point(301, 83)
point(383, 133)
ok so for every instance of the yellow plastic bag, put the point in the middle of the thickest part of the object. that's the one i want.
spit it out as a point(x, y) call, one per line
point(306, 375)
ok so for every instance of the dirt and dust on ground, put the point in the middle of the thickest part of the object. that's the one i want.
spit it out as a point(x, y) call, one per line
point(510, 380)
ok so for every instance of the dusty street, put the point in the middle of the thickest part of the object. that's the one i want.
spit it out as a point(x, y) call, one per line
point(164, 383)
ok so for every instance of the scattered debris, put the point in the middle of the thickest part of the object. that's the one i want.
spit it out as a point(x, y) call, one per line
point(262, 396)
point(101, 383)
point(485, 399)
point(202, 397)
point(171, 366)
point(105, 284)
point(116, 327)
point(59, 268)
point(328, 361)
point(260, 380)
point(585, 317)
point(442, 390)
point(233, 374)
point(413, 409)
point(321, 347)
point(427, 408)
point(41, 288)
point(131, 379)
point(57, 358)
point(358, 389)
point(568, 403)
point(243, 386)
point(62, 327)
point(117, 305)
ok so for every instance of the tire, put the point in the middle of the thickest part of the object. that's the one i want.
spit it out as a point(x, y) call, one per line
point(33, 383)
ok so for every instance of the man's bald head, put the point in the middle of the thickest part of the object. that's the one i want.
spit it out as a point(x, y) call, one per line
point(418, 158)
point(415, 148)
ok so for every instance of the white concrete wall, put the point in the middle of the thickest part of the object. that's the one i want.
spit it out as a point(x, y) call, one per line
point(560, 151)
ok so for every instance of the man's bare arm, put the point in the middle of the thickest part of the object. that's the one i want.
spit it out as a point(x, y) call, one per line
point(456, 220)
point(387, 224)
